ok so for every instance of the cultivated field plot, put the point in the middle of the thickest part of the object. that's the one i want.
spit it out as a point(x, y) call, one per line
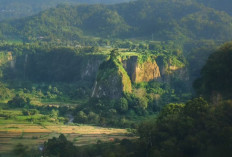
point(33, 135)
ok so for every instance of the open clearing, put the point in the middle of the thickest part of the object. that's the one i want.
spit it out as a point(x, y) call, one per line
point(34, 135)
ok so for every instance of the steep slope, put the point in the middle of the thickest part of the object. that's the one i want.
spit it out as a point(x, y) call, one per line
point(30, 63)
point(141, 71)
point(56, 65)
point(112, 80)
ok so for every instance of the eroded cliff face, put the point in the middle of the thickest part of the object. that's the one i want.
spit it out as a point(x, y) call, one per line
point(113, 81)
point(55, 67)
point(115, 76)
point(169, 69)
point(141, 72)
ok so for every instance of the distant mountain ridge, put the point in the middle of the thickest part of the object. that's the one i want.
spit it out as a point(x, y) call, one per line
point(147, 19)
point(222, 5)
point(11, 9)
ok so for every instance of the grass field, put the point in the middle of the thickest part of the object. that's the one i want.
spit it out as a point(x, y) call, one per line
point(34, 135)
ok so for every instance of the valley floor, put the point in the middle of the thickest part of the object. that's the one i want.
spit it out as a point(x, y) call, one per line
point(34, 135)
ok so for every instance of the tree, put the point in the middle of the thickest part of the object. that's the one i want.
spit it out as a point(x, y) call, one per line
point(141, 103)
point(216, 75)
point(196, 108)
point(59, 147)
point(81, 117)
point(20, 150)
point(54, 113)
point(122, 105)
point(114, 54)
point(179, 130)
point(19, 102)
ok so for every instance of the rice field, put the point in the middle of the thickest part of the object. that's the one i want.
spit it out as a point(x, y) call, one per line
point(33, 135)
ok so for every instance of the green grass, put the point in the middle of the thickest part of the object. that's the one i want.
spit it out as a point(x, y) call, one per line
point(4, 121)
point(129, 53)
point(62, 103)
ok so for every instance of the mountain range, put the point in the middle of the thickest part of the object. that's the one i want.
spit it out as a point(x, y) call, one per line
point(145, 19)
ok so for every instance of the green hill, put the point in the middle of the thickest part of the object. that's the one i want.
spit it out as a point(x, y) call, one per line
point(223, 5)
point(146, 19)
point(11, 9)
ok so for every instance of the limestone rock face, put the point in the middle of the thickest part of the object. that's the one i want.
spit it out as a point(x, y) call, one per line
point(141, 72)
point(115, 76)
point(90, 67)
point(146, 72)
point(110, 87)
point(57, 67)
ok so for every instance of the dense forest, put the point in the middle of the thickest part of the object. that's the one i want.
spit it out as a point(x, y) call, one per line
point(148, 19)
point(157, 70)
point(223, 5)
point(12, 9)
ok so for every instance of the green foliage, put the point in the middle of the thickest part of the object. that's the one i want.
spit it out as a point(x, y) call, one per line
point(216, 74)
point(186, 130)
point(175, 20)
point(4, 92)
point(222, 5)
point(122, 105)
point(30, 112)
point(81, 117)
point(113, 147)
point(59, 147)
point(54, 113)
point(114, 54)
point(198, 53)
point(19, 102)
point(93, 118)
point(141, 103)
point(196, 107)
point(20, 150)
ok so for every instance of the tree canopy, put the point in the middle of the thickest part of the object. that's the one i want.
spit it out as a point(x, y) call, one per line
point(216, 75)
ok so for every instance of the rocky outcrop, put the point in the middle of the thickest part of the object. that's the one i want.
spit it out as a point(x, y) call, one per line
point(138, 72)
point(110, 78)
point(115, 76)
point(55, 67)
point(112, 81)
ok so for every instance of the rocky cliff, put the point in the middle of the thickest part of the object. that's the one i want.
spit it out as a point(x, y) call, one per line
point(115, 76)
point(112, 80)
point(55, 67)
point(109, 78)
point(144, 71)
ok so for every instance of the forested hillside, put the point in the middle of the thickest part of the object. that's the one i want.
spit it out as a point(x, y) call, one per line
point(146, 19)
point(223, 5)
point(11, 9)
point(160, 70)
